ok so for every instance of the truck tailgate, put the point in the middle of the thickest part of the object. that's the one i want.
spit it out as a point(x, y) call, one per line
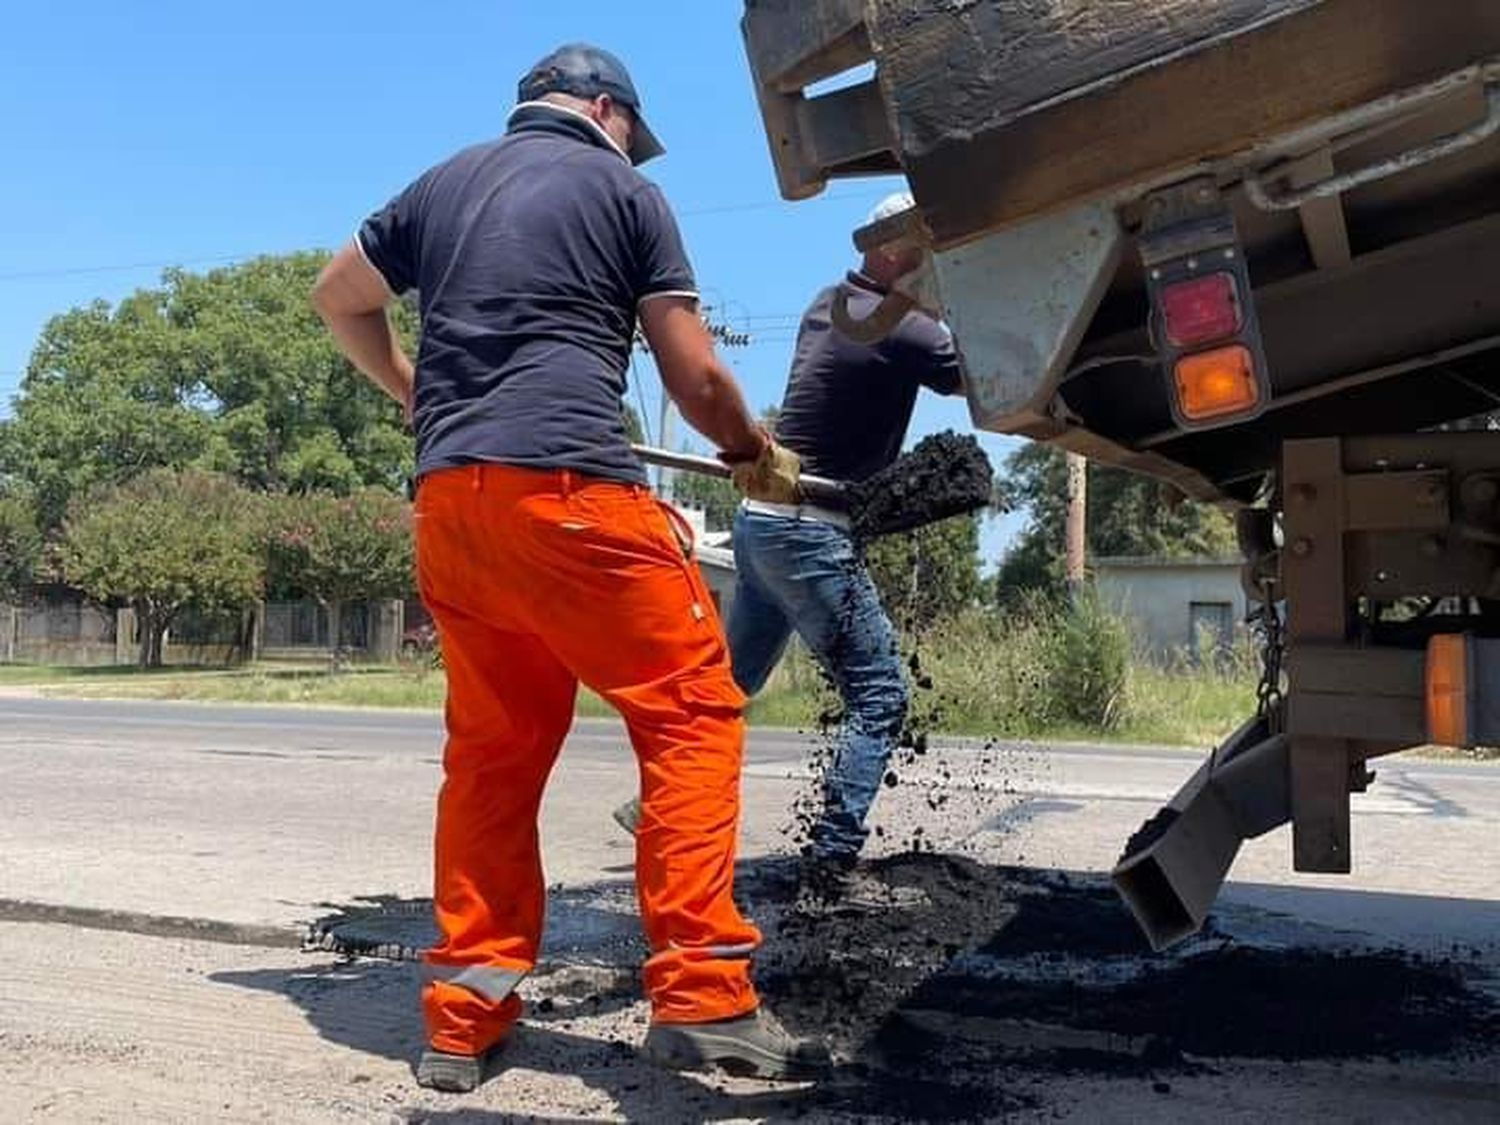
point(999, 110)
point(1063, 100)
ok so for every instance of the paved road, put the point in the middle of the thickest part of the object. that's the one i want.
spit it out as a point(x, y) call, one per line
point(258, 817)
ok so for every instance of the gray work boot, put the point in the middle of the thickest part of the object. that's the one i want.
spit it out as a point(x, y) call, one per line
point(452, 1074)
point(754, 1045)
point(628, 815)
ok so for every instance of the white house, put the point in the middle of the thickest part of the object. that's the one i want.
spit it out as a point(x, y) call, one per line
point(1192, 606)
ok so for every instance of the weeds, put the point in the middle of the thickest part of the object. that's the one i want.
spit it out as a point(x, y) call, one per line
point(1037, 670)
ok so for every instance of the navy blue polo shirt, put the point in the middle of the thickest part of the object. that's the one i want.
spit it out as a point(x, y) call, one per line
point(530, 255)
point(847, 404)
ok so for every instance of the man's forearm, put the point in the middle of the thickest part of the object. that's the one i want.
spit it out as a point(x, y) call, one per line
point(717, 410)
point(370, 343)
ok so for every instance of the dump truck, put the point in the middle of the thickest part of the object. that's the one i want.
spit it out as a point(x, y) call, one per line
point(1249, 247)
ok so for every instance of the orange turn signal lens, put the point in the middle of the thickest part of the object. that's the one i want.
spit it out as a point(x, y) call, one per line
point(1448, 690)
point(1213, 384)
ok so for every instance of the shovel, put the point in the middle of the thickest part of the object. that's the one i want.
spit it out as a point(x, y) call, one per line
point(815, 490)
point(945, 475)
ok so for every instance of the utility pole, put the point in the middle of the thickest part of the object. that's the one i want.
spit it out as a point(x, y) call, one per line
point(1078, 484)
point(665, 477)
point(724, 337)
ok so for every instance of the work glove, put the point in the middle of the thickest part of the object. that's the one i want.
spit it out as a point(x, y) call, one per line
point(771, 477)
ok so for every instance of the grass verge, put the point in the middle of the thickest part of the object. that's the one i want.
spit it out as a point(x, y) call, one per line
point(1171, 708)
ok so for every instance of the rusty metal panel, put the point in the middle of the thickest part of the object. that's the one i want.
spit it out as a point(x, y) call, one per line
point(1320, 805)
point(1461, 454)
point(791, 44)
point(1333, 716)
point(1120, 102)
point(1344, 692)
point(990, 61)
point(794, 43)
point(845, 127)
point(1413, 298)
point(1317, 610)
point(1369, 671)
point(1313, 558)
point(1393, 565)
point(1411, 501)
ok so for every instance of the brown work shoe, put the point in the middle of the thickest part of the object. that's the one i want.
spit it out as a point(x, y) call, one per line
point(754, 1045)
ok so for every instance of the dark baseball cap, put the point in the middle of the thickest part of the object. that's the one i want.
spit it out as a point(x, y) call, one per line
point(586, 71)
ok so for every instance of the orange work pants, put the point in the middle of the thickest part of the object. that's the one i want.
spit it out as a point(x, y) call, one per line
point(537, 581)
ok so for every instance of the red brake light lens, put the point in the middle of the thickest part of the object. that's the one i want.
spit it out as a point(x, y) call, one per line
point(1201, 310)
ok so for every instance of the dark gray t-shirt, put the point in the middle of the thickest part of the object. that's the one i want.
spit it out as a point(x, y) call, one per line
point(530, 255)
point(848, 404)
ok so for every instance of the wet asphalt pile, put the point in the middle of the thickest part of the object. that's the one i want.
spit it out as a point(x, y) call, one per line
point(945, 474)
point(981, 984)
point(954, 990)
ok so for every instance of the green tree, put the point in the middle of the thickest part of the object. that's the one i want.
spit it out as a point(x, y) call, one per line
point(928, 575)
point(339, 549)
point(292, 410)
point(1128, 514)
point(716, 497)
point(163, 542)
point(20, 546)
point(97, 408)
point(633, 429)
point(229, 370)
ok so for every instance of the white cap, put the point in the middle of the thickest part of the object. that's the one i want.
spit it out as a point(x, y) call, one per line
point(892, 204)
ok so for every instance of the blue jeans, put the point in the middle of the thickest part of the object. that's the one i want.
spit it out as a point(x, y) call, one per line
point(804, 575)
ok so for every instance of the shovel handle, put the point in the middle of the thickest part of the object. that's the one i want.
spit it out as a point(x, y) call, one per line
point(818, 490)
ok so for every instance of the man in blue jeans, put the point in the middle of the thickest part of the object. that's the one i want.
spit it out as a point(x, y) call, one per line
point(845, 414)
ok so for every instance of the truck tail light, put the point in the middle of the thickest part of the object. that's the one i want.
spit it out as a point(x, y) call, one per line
point(1214, 384)
point(1203, 323)
point(1448, 690)
point(1201, 310)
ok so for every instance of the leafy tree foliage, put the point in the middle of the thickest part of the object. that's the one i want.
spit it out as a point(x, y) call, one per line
point(1128, 514)
point(165, 541)
point(717, 498)
point(230, 370)
point(928, 575)
point(20, 545)
point(339, 549)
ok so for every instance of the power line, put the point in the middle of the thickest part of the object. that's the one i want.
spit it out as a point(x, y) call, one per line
point(76, 271)
point(225, 259)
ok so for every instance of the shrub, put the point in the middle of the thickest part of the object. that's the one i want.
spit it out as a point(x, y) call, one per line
point(1090, 665)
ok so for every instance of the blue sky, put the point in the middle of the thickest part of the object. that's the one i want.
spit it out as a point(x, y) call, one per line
point(137, 136)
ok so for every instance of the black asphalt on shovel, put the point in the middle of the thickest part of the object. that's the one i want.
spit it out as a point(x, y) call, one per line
point(945, 475)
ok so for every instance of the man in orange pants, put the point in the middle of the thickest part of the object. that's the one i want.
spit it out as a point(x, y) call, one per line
point(546, 561)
